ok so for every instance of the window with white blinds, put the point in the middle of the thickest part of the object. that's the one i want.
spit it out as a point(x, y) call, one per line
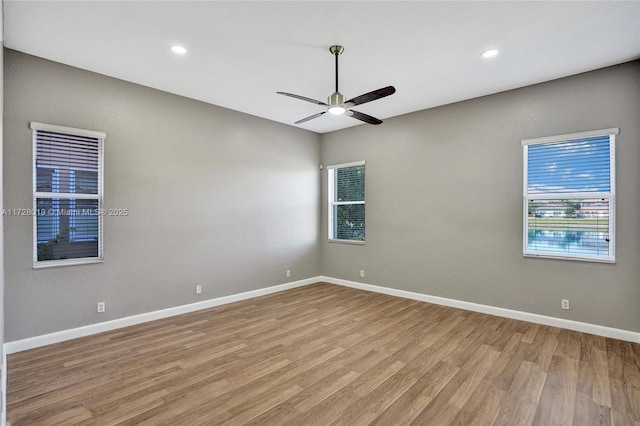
point(569, 196)
point(346, 202)
point(67, 195)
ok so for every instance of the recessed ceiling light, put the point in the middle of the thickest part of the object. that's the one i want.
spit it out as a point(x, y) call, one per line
point(489, 53)
point(179, 50)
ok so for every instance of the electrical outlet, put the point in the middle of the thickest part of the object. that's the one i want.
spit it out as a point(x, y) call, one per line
point(101, 308)
point(288, 273)
point(362, 273)
point(199, 289)
point(565, 304)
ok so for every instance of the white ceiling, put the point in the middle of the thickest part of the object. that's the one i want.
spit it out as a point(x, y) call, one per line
point(241, 53)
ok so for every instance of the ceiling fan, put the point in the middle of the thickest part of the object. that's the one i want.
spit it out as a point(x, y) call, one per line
point(336, 103)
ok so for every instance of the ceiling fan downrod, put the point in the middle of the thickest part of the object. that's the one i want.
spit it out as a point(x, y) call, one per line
point(336, 99)
point(336, 50)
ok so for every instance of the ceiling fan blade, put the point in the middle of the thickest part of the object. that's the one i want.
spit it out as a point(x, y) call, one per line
point(364, 117)
point(311, 117)
point(303, 98)
point(372, 96)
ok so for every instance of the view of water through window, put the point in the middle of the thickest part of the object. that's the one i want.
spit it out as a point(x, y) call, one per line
point(569, 242)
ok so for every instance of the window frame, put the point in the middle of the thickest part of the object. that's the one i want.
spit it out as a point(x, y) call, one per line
point(610, 195)
point(331, 202)
point(100, 136)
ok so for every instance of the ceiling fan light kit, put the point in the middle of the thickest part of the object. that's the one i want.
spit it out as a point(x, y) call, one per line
point(336, 102)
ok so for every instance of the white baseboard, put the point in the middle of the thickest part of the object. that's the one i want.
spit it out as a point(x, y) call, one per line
point(61, 336)
point(599, 330)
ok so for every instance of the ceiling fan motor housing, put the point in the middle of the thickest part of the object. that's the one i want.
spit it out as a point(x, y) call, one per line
point(336, 99)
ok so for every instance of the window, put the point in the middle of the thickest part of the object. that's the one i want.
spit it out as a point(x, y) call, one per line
point(346, 202)
point(67, 195)
point(569, 196)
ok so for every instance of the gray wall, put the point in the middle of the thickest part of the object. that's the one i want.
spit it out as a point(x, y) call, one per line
point(231, 201)
point(444, 200)
point(216, 197)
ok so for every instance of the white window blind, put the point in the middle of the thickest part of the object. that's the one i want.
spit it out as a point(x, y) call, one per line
point(346, 202)
point(569, 196)
point(67, 195)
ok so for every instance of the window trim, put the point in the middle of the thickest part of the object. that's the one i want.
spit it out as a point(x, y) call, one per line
point(101, 136)
point(332, 203)
point(611, 195)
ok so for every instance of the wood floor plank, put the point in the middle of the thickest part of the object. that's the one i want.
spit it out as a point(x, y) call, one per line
point(588, 413)
point(411, 403)
point(326, 410)
point(520, 403)
point(557, 402)
point(324, 354)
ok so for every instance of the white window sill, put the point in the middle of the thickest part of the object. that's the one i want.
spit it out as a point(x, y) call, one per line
point(354, 242)
point(66, 262)
point(581, 259)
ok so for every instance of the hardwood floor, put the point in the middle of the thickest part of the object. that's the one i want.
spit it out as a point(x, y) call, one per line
point(329, 355)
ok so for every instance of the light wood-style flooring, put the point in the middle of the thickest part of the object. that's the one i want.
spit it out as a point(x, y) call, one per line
point(329, 355)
